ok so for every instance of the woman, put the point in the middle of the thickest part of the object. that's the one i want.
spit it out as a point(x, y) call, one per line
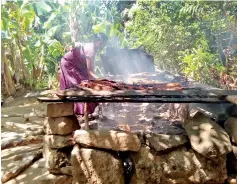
point(78, 65)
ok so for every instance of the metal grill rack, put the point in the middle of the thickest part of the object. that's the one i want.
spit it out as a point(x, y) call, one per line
point(141, 96)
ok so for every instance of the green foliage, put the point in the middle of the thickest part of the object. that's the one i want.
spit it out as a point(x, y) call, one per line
point(55, 48)
point(183, 36)
point(41, 30)
point(196, 64)
point(186, 36)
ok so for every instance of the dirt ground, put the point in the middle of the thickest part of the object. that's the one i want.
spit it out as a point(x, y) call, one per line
point(22, 118)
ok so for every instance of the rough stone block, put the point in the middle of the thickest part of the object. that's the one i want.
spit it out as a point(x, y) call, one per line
point(61, 125)
point(178, 166)
point(58, 141)
point(57, 161)
point(231, 128)
point(186, 166)
point(93, 125)
point(162, 142)
point(112, 140)
point(148, 167)
point(60, 109)
point(95, 166)
point(62, 170)
point(207, 138)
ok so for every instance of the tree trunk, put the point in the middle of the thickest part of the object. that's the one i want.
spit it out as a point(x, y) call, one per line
point(23, 68)
point(9, 84)
point(16, 66)
point(74, 27)
point(41, 65)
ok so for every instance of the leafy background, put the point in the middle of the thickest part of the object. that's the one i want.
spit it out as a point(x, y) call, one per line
point(183, 36)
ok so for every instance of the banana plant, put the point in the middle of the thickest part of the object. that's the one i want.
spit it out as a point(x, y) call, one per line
point(35, 33)
point(19, 22)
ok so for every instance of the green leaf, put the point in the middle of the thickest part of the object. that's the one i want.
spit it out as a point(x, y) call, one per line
point(66, 35)
point(4, 24)
point(46, 39)
point(55, 48)
point(38, 43)
point(48, 24)
point(42, 8)
point(65, 9)
point(51, 32)
point(27, 54)
point(101, 27)
point(28, 18)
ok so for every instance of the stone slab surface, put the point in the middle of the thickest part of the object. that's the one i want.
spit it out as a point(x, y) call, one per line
point(207, 138)
point(58, 141)
point(162, 142)
point(95, 166)
point(57, 161)
point(59, 109)
point(61, 125)
point(179, 166)
point(186, 166)
point(148, 167)
point(112, 140)
point(63, 170)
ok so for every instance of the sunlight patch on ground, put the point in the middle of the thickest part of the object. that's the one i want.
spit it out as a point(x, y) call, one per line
point(27, 104)
point(11, 135)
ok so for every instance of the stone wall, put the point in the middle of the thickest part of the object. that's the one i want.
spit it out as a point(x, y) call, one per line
point(206, 154)
point(58, 144)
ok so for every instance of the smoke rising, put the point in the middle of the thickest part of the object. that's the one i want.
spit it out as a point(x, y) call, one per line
point(127, 61)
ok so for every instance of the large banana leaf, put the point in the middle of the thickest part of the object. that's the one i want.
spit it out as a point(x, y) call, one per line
point(42, 8)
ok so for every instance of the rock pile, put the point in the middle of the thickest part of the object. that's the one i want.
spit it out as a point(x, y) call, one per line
point(199, 156)
point(94, 157)
point(58, 127)
point(159, 159)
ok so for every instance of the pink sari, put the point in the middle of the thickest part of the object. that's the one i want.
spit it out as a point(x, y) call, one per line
point(73, 70)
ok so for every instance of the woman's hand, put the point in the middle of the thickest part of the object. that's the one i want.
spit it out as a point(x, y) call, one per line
point(93, 76)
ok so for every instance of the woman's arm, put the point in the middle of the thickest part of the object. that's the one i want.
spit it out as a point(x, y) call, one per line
point(90, 69)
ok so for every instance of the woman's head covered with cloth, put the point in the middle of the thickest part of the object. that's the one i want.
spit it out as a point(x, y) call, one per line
point(100, 40)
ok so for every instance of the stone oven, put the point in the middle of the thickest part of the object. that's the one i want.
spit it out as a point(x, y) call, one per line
point(140, 143)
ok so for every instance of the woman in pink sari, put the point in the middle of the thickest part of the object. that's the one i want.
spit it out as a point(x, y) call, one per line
point(78, 65)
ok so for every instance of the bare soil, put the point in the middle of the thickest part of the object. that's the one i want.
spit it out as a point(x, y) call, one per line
point(21, 116)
